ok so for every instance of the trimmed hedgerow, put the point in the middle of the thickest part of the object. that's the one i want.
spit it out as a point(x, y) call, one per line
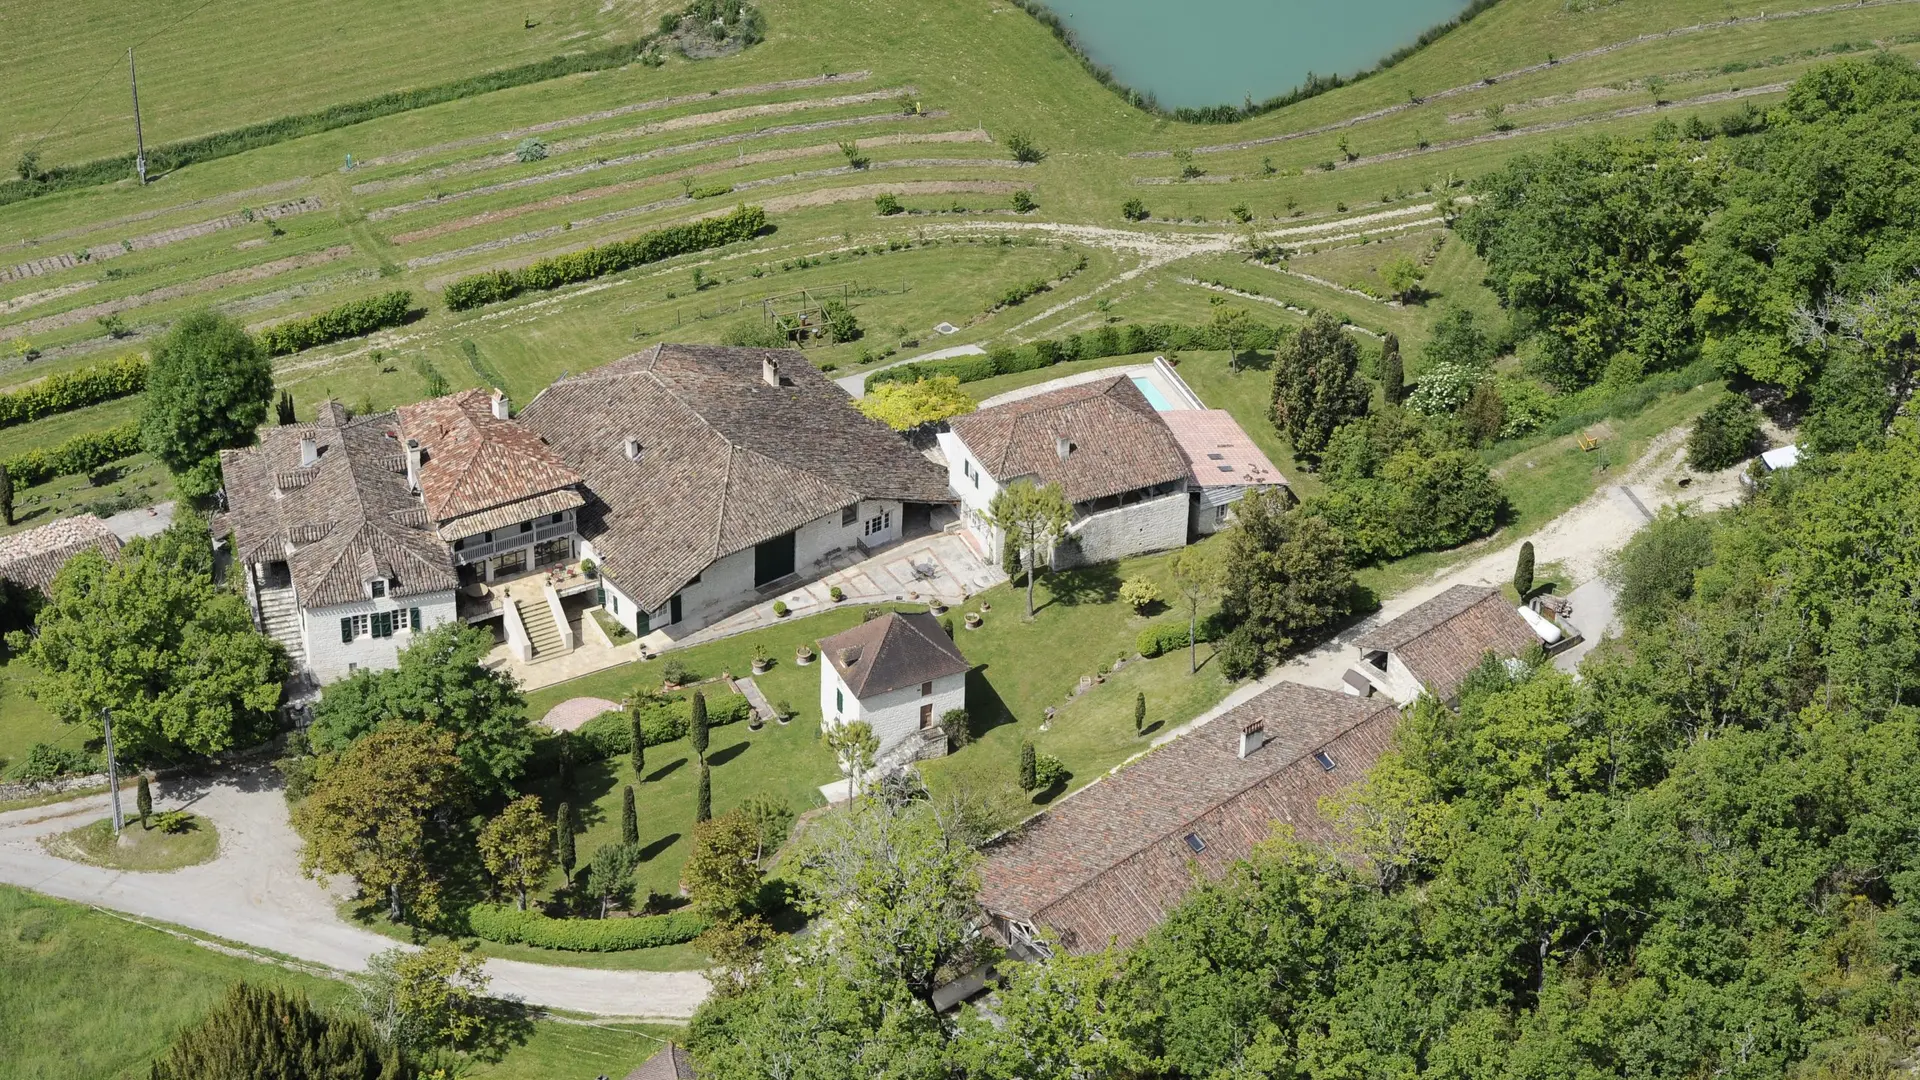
point(74, 390)
point(511, 926)
point(337, 323)
point(1160, 638)
point(611, 734)
point(1106, 341)
point(743, 22)
point(80, 454)
point(743, 223)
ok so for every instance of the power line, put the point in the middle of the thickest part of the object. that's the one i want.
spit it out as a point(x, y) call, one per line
point(111, 67)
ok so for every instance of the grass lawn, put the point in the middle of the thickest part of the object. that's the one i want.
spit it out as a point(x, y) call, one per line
point(91, 996)
point(24, 721)
point(139, 847)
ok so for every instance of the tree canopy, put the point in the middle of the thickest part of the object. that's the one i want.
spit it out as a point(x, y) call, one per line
point(904, 406)
point(208, 389)
point(264, 1033)
point(1317, 385)
point(151, 637)
point(1284, 578)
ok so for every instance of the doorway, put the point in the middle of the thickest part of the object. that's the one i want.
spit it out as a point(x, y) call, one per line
point(773, 560)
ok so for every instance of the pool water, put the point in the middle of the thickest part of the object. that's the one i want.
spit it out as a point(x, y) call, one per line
point(1152, 393)
point(1222, 52)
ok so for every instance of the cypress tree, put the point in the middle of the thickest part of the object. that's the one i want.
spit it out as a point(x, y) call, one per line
point(703, 806)
point(563, 839)
point(1139, 712)
point(629, 818)
point(1393, 384)
point(1027, 780)
point(6, 494)
point(1523, 570)
point(283, 409)
point(565, 771)
point(639, 750)
point(143, 800)
point(697, 727)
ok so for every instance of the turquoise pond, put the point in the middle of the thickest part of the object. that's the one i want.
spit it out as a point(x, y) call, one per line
point(1221, 52)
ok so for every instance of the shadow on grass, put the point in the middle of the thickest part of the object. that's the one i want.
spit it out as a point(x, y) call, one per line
point(1096, 584)
point(504, 1025)
point(658, 846)
point(986, 710)
point(1046, 795)
point(665, 770)
point(721, 757)
point(1151, 728)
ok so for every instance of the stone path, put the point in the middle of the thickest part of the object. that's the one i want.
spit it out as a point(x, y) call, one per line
point(761, 706)
point(573, 712)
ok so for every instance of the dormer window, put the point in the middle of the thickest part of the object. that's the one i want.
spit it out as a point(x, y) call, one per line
point(377, 588)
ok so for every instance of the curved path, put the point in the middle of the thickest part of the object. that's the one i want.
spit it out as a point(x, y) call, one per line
point(253, 893)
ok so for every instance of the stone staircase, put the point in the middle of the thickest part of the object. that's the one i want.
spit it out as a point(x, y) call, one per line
point(280, 620)
point(542, 633)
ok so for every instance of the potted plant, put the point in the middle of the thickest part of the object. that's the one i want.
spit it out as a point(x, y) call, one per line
point(973, 620)
point(837, 593)
point(673, 674)
point(754, 720)
point(591, 571)
point(935, 607)
point(984, 606)
point(761, 661)
point(803, 655)
point(779, 609)
point(784, 712)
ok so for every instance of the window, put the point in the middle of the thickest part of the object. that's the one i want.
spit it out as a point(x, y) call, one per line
point(1221, 513)
point(881, 523)
point(557, 518)
point(613, 601)
point(378, 586)
point(512, 563)
point(926, 689)
point(1216, 457)
point(1225, 468)
point(413, 619)
point(1325, 759)
point(849, 515)
point(353, 626)
point(460, 543)
point(548, 552)
point(1193, 841)
point(526, 526)
point(839, 700)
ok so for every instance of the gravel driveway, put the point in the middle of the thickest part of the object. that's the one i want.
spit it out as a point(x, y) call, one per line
point(254, 893)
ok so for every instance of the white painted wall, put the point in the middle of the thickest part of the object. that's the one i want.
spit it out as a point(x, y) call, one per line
point(894, 716)
point(329, 658)
point(975, 487)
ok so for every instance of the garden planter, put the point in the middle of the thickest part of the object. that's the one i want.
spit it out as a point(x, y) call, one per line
point(760, 667)
point(973, 620)
point(803, 656)
point(935, 607)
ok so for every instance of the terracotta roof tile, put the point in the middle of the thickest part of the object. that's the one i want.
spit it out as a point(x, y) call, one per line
point(1118, 442)
point(1108, 862)
point(1443, 639)
point(892, 652)
point(1218, 451)
point(670, 1063)
point(33, 557)
point(475, 461)
point(726, 461)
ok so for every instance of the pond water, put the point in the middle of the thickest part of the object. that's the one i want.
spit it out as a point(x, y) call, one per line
point(1220, 52)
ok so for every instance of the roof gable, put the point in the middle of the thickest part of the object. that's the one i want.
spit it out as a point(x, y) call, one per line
point(892, 652)
point(33, 557)
point(1444, 639)
point(475, 461)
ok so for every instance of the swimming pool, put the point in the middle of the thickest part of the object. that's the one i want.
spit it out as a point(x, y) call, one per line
point(1152, 393)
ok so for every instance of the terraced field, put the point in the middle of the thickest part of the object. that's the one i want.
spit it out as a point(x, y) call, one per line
point(844, 101)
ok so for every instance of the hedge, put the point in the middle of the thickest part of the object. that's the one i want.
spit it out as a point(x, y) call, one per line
point(74, 390)
point(611, 734)
point(509, 925)
point(1157, 639)
point(743, 223)
point(221, 144)
point(1106, 341)
point(334, 324)
point(78, 455)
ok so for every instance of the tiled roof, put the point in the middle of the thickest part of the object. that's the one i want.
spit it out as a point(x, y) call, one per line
point(499, 517)
point(33, 557)
point(893, 651)
point(671, 1063)
point(1118, 442)
point(1108, 862)
point(475, 461)
point(347, 517)
point(726, 460)
point(1445, 638)
point(1219, 452)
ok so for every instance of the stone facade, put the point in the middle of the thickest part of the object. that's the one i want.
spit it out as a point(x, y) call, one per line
point(330, 657)
point(1155, 524)
point(895, 716)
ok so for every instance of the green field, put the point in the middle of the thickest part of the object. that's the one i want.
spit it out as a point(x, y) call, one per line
point(94, 996)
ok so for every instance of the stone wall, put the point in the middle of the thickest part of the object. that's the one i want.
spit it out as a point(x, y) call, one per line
point(1157, 524)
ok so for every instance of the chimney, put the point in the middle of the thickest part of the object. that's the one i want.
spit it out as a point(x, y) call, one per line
point(1253, 736)
point(770, 371)
point(634, 449)
point(1062, 446)
point(502, 409)
point(309, 451)
point(415, 458)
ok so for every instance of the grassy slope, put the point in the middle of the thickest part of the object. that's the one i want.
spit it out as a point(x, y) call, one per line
point(89, 996)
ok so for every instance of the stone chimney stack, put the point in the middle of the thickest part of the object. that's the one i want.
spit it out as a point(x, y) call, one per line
point(1062, 446)
point(1253, 736)
point(502, 409)
point(414, 459)
point(309, 450)
point(770, 372)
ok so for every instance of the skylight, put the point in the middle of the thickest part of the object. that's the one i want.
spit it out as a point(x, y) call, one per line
point(1226, 468)
point(1216, 457)
point(1325, 759)
point(1193, 841)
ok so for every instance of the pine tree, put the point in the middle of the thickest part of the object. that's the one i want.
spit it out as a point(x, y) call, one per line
point(639, 750)
point(629, 818)
point(264, 1033)
point(703, 806)
point(1393, 379)
point(1139, 712)
point(1523, 570)
point(563, 839)
point(697, 727)
point(143, 800)
point(6, 494)
point(1027, 766)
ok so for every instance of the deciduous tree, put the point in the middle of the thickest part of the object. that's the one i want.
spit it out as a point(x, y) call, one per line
point(904, 406)
point(723, 872)
point(424, 998)
point(1197, 574)
point(516, 847)
point(1317, 385)
point(1031, 519)
point(208, 389)
point(1284, 580)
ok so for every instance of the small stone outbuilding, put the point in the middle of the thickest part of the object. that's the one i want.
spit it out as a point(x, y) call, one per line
point(900, 673)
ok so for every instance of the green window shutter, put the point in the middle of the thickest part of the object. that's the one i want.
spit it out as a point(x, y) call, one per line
point(346, 629)
point(413, 618)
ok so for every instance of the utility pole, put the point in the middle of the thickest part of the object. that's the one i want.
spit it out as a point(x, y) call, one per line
point(140, 164)
point(113, 772)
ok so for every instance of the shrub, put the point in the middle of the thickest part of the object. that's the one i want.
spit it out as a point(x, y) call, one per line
point(838, 321)
point(45, 761)
point(1019, 292)
point(1133, 210)
point(74, 390)
point(958, 726)
point(1724, 435)
point(77, 456)
point(508, 925)
point(1446, 386)
point(334, 324)
point(709, 191)
point(173, 822)
point(779, 609)
point(662, 720)
point(837, 593)
point(530, 150)
point(552, 273)
point(1023, 148)
point(1029, 768)
point(1023, 202)
point(1049, 772)
point(887, 203)
point(1139, 593)
point(1165, 637)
